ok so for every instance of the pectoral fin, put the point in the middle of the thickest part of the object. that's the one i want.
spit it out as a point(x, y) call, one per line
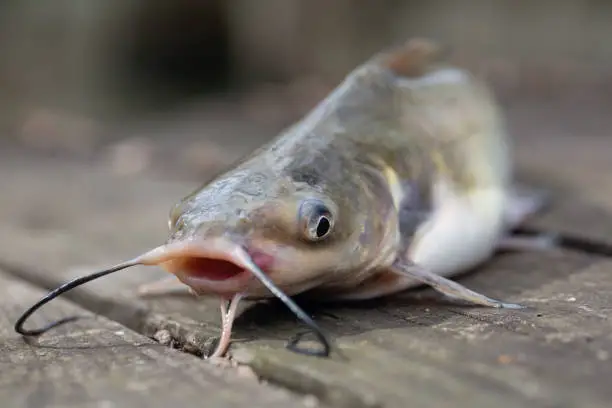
point(446, 286)
point(523, 203)
point(164, 286)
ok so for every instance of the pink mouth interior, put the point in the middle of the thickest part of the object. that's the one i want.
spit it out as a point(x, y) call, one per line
point(208, 263)
point(209, 268)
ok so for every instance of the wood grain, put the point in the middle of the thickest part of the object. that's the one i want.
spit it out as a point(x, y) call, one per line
point(99, 363)
point(566, 149)
point(555, 354)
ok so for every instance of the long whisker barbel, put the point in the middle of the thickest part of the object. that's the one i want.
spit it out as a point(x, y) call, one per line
point(57, 292)
point(295, 309)
point(298, 312)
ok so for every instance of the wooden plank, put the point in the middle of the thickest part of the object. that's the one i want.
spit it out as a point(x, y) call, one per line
point(567, 150)
point(96, 362)
point(557, 354)
point(73, 218)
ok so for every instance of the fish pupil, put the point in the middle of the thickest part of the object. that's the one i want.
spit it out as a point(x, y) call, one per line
point(322, 227)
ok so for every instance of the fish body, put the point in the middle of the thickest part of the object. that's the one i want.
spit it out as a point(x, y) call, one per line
point(401, 176)
point(408, 156)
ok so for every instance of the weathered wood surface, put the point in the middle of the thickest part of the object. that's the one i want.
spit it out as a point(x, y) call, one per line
point(416, 349)
point(100, 363)
point(567, 147)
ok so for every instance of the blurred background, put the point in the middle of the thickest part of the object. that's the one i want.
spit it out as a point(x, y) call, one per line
point(180, 88)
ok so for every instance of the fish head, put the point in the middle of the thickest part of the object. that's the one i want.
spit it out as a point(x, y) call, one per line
point(316, 223)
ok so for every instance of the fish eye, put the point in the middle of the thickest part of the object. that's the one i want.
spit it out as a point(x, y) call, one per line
point(316, 219)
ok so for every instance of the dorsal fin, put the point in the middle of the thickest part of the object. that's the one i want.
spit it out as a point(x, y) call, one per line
point(413, 58)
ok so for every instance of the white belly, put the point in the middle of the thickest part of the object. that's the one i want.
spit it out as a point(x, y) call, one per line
point(462, 233)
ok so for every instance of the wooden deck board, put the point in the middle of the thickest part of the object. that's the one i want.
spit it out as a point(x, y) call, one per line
point(556, 354)
point(567, 151)
point(97, 362)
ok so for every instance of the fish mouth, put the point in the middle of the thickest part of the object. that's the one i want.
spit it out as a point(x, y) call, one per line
point(210, 269)
point(206, 275)
point(209, 266)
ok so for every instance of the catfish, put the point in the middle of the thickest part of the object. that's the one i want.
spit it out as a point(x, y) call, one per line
point(401, 176)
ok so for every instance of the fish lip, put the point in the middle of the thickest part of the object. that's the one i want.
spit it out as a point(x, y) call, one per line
point(227, 287)
point(173, 257)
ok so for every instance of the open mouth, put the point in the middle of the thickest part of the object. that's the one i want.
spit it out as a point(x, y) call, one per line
point(213, 265)
point(212, 273)
point(206, 268)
